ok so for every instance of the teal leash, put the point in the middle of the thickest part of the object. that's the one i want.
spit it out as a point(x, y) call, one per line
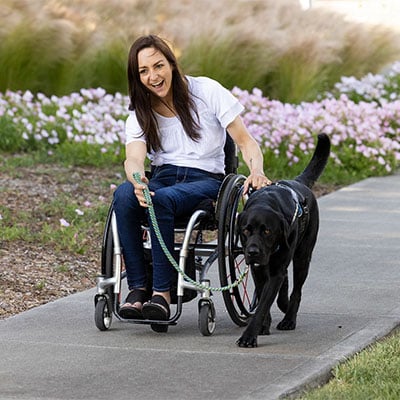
point(167, 253)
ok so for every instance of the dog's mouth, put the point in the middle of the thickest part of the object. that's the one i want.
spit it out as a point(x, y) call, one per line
point(256, 260)
point(252, 261)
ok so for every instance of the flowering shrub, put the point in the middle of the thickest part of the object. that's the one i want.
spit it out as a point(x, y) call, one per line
point(364, 132)
point(380, 87)
point(91, 117)
point(363, 135)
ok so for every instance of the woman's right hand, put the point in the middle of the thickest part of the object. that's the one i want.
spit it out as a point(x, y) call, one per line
point(139, 191)
point(134, 163)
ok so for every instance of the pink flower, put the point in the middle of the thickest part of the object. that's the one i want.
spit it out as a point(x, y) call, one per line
point(65, 223)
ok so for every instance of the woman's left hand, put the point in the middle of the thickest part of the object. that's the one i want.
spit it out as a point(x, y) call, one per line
point(256, 180)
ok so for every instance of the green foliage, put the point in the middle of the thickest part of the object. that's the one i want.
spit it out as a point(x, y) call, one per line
point(11, 141)
point(84, 154)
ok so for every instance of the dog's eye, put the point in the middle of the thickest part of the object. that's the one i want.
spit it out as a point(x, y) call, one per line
point(246, 232)
point(267, 231)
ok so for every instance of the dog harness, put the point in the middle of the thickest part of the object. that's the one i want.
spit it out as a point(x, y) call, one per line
point(301, 208)
point(298, 212)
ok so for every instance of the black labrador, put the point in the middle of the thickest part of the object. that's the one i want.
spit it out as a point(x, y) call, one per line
point(279, 224)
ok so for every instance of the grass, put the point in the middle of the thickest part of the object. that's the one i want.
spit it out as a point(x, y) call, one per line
point(74, 199)
point(372, 374)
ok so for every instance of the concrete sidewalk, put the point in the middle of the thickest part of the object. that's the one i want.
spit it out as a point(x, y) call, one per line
point(351, 298)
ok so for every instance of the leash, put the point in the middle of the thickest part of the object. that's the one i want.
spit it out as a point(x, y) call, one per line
point(171, 259)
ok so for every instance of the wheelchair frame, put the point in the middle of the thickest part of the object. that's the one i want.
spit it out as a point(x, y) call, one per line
point(239, 300)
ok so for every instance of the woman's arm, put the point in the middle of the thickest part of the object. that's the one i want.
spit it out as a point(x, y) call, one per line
point(136, 153)
point(251, 153)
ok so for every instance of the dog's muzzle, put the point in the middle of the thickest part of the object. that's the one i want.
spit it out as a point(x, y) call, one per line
point(253, 255)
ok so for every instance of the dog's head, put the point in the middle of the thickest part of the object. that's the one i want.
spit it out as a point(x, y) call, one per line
point(262, 232)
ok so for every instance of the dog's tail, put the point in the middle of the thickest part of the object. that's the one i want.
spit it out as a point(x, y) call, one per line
point(318, 161)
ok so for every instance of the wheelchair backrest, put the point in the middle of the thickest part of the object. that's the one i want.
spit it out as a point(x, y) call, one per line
point(231, 157)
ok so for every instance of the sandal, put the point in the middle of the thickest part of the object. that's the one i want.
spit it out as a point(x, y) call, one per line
point(127, 310)
point(156, 309)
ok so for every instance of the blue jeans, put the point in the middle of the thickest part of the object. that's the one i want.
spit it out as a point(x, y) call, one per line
point(178, 190)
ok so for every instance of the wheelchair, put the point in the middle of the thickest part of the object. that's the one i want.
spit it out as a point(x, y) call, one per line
point(195, 258)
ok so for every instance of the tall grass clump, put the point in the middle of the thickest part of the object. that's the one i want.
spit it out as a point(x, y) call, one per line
point(45, 57)
point(227, 59)
point(34, 55)
point(58, 47)
point(101, 66)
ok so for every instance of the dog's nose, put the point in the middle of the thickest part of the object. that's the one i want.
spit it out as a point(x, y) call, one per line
point(253, 251)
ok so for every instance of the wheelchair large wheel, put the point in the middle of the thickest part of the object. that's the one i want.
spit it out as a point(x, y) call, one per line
point(240, 300)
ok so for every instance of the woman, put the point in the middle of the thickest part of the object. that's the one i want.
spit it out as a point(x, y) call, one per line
point(180, 122)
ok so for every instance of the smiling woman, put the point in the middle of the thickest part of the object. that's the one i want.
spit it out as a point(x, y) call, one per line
point(180, 122)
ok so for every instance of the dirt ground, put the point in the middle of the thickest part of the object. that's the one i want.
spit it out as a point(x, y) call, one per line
point(32, 274)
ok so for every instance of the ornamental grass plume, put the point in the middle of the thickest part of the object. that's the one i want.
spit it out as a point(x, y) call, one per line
point(58, 47)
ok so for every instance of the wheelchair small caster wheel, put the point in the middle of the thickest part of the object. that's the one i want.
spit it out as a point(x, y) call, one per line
point(159, 328)
point(206, 319)
point(102, 314)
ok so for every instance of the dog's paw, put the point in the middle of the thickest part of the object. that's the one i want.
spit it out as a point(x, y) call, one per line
point(249, 342)
point(264, 331)
point(286, 325)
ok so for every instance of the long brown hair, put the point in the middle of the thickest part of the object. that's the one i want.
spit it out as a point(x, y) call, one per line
point(140, 99)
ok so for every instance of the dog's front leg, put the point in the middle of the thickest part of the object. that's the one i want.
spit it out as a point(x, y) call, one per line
point(265, 327)
point(262, 314)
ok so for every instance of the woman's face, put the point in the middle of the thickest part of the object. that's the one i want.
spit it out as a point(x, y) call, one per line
point(155, 72)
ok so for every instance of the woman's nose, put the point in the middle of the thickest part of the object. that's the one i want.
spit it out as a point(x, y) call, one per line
point(153, 75)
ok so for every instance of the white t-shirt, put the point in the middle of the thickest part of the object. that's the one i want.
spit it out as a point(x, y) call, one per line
point(216, 107)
